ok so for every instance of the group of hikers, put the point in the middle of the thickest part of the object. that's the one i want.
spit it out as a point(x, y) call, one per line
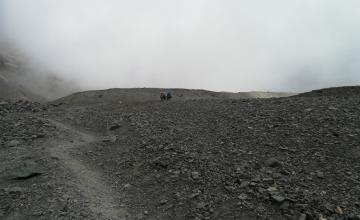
point(165, 94)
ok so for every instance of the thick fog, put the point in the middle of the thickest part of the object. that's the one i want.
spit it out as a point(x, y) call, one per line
point(223, 45)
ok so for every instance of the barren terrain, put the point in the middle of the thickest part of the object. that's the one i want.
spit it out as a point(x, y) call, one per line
point(189, 158)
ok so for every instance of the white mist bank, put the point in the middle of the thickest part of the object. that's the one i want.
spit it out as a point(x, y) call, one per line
point(230, 45)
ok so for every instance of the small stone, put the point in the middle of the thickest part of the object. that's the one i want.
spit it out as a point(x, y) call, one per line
point(126, 186)
point(278, 198)
point(114, 127)
point(195, 194)
point(329, 207)
point(200, 205)
point(302, 216)
point(244, 184)
point(13, 143)
point(40, 135)
point(321, 217)
point(253, 184)
point(272, 189)
point(269, 179)
point(257, 166)
point(257, 179)
point(285, 205)
point(163, 202)
point(272, 162)
point(176, 172)
point(195, 175)
point(111, 139)
point(320, 174)
point(339, 210)
point(25, 173)
point(242, 196)
point(229, 188)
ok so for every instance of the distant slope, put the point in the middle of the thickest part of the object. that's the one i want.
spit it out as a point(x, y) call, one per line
point(261, 95)
point(9, 90)
point(13, 93)
point(19, 80)
point(334, 91)
point(152, 94)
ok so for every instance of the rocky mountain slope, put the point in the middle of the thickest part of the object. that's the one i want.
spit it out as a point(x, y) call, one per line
point(338, 91)
point(20, 80)
point(152, 94)
point(282, 158)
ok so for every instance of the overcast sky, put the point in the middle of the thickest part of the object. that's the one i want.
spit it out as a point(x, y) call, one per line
point(232, 45)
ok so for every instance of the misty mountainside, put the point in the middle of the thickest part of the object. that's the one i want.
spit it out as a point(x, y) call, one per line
point(20, 80)
point(9, 88)
point(117, 95)
point(215, 158)
point(334, 91)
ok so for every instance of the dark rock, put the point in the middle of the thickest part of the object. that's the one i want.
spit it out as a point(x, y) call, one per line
point(285, 205)
point(242, 196)
point(195, 175)
point(229, 188)
point(268, 179)
point(40, 135)
point(244, 184)
point(163, 202)
point(114, 127)
point(330, 208)
point(200, 205)
point(27, 170)
point(320, 174)
point(273, 162)
point(257, 166)
point(257, 179)
point(13, 143)
point(111, 139)
point(302, 217)
point(25, 174)
point(352, 216)
point(160, 163)
point(278, 198)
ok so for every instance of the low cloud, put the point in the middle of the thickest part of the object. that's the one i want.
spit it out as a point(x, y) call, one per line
point(230, 45)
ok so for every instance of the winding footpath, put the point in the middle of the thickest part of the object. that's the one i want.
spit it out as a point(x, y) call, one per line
point(90, 183)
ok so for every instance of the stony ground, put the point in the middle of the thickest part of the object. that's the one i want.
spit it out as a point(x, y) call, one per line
point(287, 158)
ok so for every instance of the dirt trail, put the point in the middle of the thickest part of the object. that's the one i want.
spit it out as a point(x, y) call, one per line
point(92, 186)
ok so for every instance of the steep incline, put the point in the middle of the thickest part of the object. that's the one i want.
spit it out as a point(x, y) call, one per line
point(287, 158)
point(152, 94)
point(99, 195)
point(20, 80)
point(284, 158)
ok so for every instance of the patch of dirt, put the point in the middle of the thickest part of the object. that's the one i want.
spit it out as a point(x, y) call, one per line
point(99, 194)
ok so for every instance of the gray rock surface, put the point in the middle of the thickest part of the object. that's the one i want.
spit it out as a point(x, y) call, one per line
point(183, 159)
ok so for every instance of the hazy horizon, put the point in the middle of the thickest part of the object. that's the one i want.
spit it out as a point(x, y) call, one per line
point(228, 45)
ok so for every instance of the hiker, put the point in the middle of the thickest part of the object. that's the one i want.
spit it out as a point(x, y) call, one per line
point(168, 94)
point(165, 95)
point(162, 95)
